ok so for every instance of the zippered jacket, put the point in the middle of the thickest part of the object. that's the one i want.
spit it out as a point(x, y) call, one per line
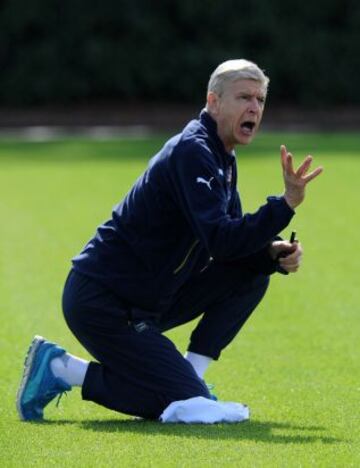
point(182, 213)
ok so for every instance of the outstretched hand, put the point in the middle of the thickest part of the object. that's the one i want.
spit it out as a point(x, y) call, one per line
point(296, 180)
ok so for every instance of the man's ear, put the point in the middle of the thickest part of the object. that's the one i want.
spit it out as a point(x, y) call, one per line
point(213, 102)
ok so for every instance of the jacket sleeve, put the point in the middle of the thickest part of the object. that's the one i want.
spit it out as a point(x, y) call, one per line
point(198, 188)
point(261, 261)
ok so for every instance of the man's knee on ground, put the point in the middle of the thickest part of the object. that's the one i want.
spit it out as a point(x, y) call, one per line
point(190, 389)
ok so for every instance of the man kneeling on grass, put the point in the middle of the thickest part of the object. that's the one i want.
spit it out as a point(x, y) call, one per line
point(177, 247)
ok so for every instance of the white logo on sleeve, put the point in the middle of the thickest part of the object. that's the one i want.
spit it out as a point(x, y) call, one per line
point(201, 180)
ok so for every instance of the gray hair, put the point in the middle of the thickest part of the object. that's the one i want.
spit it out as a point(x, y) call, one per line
point(233, 70)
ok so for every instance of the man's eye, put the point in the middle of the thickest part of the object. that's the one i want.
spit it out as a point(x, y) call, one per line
point(261, 100)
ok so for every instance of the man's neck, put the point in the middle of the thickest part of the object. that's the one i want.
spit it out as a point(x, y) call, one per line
point(229, 147)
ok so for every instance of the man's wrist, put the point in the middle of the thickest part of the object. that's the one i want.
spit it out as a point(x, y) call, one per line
point(290, 202)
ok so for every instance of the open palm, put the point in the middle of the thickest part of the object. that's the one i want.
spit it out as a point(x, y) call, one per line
point(296, 180)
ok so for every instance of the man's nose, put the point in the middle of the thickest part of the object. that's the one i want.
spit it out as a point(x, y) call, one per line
point(254, 105)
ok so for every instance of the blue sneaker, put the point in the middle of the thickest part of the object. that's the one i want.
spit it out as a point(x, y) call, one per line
point(39, 385)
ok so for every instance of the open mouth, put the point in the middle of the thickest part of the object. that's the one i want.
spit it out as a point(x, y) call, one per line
point(248, 125)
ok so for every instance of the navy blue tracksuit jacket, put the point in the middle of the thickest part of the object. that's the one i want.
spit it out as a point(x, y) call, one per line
point(181, 213)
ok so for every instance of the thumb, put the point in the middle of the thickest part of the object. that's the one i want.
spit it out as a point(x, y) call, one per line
point(287, 249)
point(282, 245)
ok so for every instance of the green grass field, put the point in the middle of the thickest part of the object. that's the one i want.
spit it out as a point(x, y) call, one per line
point(296, 362)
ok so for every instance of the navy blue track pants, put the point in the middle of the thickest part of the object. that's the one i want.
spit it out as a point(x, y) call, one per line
point(139, 370)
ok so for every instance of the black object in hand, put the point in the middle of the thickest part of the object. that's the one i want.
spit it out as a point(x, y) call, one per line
point(293, 237)
point(292, 240)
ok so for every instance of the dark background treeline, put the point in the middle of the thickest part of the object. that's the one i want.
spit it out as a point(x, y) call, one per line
point(60, 51)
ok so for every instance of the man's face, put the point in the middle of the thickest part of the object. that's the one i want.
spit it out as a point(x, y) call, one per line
point(238, 111)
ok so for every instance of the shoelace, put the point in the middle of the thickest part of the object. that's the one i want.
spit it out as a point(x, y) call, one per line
point(59, 398)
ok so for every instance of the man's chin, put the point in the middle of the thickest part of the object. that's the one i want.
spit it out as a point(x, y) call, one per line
point(245, 139)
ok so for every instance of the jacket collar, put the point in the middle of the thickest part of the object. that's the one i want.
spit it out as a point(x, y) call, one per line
point(211, 126)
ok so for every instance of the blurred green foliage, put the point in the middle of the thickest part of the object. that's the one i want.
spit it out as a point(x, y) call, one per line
point(63, 51)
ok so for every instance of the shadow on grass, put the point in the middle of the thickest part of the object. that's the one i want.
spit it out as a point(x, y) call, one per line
point(259, 431)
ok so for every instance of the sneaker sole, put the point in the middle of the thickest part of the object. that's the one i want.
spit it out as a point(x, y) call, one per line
point(36, 342)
